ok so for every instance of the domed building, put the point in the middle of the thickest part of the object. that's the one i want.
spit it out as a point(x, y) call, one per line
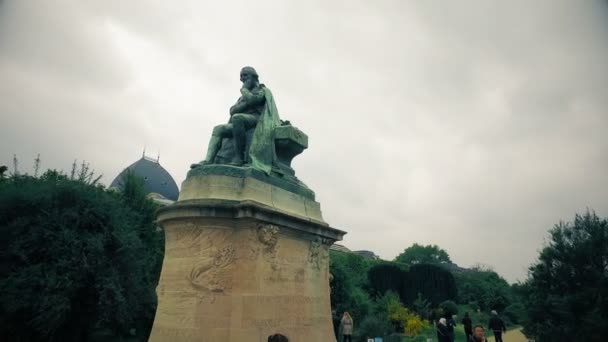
point(157, 181)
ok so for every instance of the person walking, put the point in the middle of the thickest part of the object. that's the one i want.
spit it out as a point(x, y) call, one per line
point(479, 334)
point(346, 327)
point(442, 330)
point(335, 318)
point(468, 326)
point(497, 326)
point(451, 323)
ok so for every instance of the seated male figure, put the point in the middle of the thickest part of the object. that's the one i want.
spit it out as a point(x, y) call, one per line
point(244, 115)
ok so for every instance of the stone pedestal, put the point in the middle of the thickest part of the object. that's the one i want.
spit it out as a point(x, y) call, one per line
point(245, 258)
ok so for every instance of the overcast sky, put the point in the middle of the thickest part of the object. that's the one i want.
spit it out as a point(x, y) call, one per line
point(473, 125)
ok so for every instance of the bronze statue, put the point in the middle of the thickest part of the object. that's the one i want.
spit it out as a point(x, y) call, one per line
point(254, 109)
point(243, 115)
point(254, 137)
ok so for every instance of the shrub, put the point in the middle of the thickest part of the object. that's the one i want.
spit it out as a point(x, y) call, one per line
point(411, 322)
point(373, 326)
point(449, 308)
point(515, 313)
point(75, 258)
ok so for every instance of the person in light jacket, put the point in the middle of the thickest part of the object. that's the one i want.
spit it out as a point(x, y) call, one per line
point(346, 327)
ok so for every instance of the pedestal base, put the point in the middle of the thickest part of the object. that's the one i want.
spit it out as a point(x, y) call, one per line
point(239, 271)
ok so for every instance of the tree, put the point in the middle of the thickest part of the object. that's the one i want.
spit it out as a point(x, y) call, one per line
point(434, 283)
point(567, 289)
point(347, 292)
point(75, 259)
point(418, 254)
point(483, 287)
point(385, 277)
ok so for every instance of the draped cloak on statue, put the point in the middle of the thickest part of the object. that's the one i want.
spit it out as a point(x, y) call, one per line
point(262, 153)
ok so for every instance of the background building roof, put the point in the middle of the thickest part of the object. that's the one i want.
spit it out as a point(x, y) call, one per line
point(156, 179)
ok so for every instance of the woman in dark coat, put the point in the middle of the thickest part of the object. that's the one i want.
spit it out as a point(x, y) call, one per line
point(468, 326)
point(443, 334)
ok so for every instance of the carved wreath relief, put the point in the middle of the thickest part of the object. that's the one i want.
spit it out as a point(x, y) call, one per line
point(267, 236)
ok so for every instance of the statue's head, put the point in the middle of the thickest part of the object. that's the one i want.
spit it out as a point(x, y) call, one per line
point(249, 77)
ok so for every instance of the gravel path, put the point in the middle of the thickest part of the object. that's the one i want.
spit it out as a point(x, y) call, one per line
point(512, 336)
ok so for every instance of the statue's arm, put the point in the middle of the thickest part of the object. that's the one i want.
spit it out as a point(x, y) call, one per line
point(248, 99)
point(253, 98)
point(239, 106)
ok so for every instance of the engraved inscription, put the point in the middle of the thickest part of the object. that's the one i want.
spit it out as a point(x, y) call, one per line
point(287, 311)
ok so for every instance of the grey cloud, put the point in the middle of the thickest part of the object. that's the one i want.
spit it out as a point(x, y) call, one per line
point(473, 125)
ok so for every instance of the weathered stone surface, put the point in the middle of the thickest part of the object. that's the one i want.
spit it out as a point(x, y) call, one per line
point(288, 183)
point(243, 260)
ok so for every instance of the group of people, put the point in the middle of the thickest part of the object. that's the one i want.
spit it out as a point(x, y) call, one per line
point(445, 329)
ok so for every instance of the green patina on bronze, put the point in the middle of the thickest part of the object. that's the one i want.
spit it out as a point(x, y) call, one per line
point(290, 184)
point(255, 142)
point(262, 154)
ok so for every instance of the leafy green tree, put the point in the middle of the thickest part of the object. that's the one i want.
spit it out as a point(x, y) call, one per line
point(483, 287)
point(347, 286)
point(385, 277)
point(515, 313)
point(3, 170)
point(567, 289)
point(75, 259)
point(418, 254)
point(432, 282)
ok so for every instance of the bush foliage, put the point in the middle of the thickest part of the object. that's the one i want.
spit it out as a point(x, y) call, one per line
point(567, 291)
point(75, 259)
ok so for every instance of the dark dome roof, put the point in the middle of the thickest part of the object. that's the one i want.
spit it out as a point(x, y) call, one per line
point(156, 178)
